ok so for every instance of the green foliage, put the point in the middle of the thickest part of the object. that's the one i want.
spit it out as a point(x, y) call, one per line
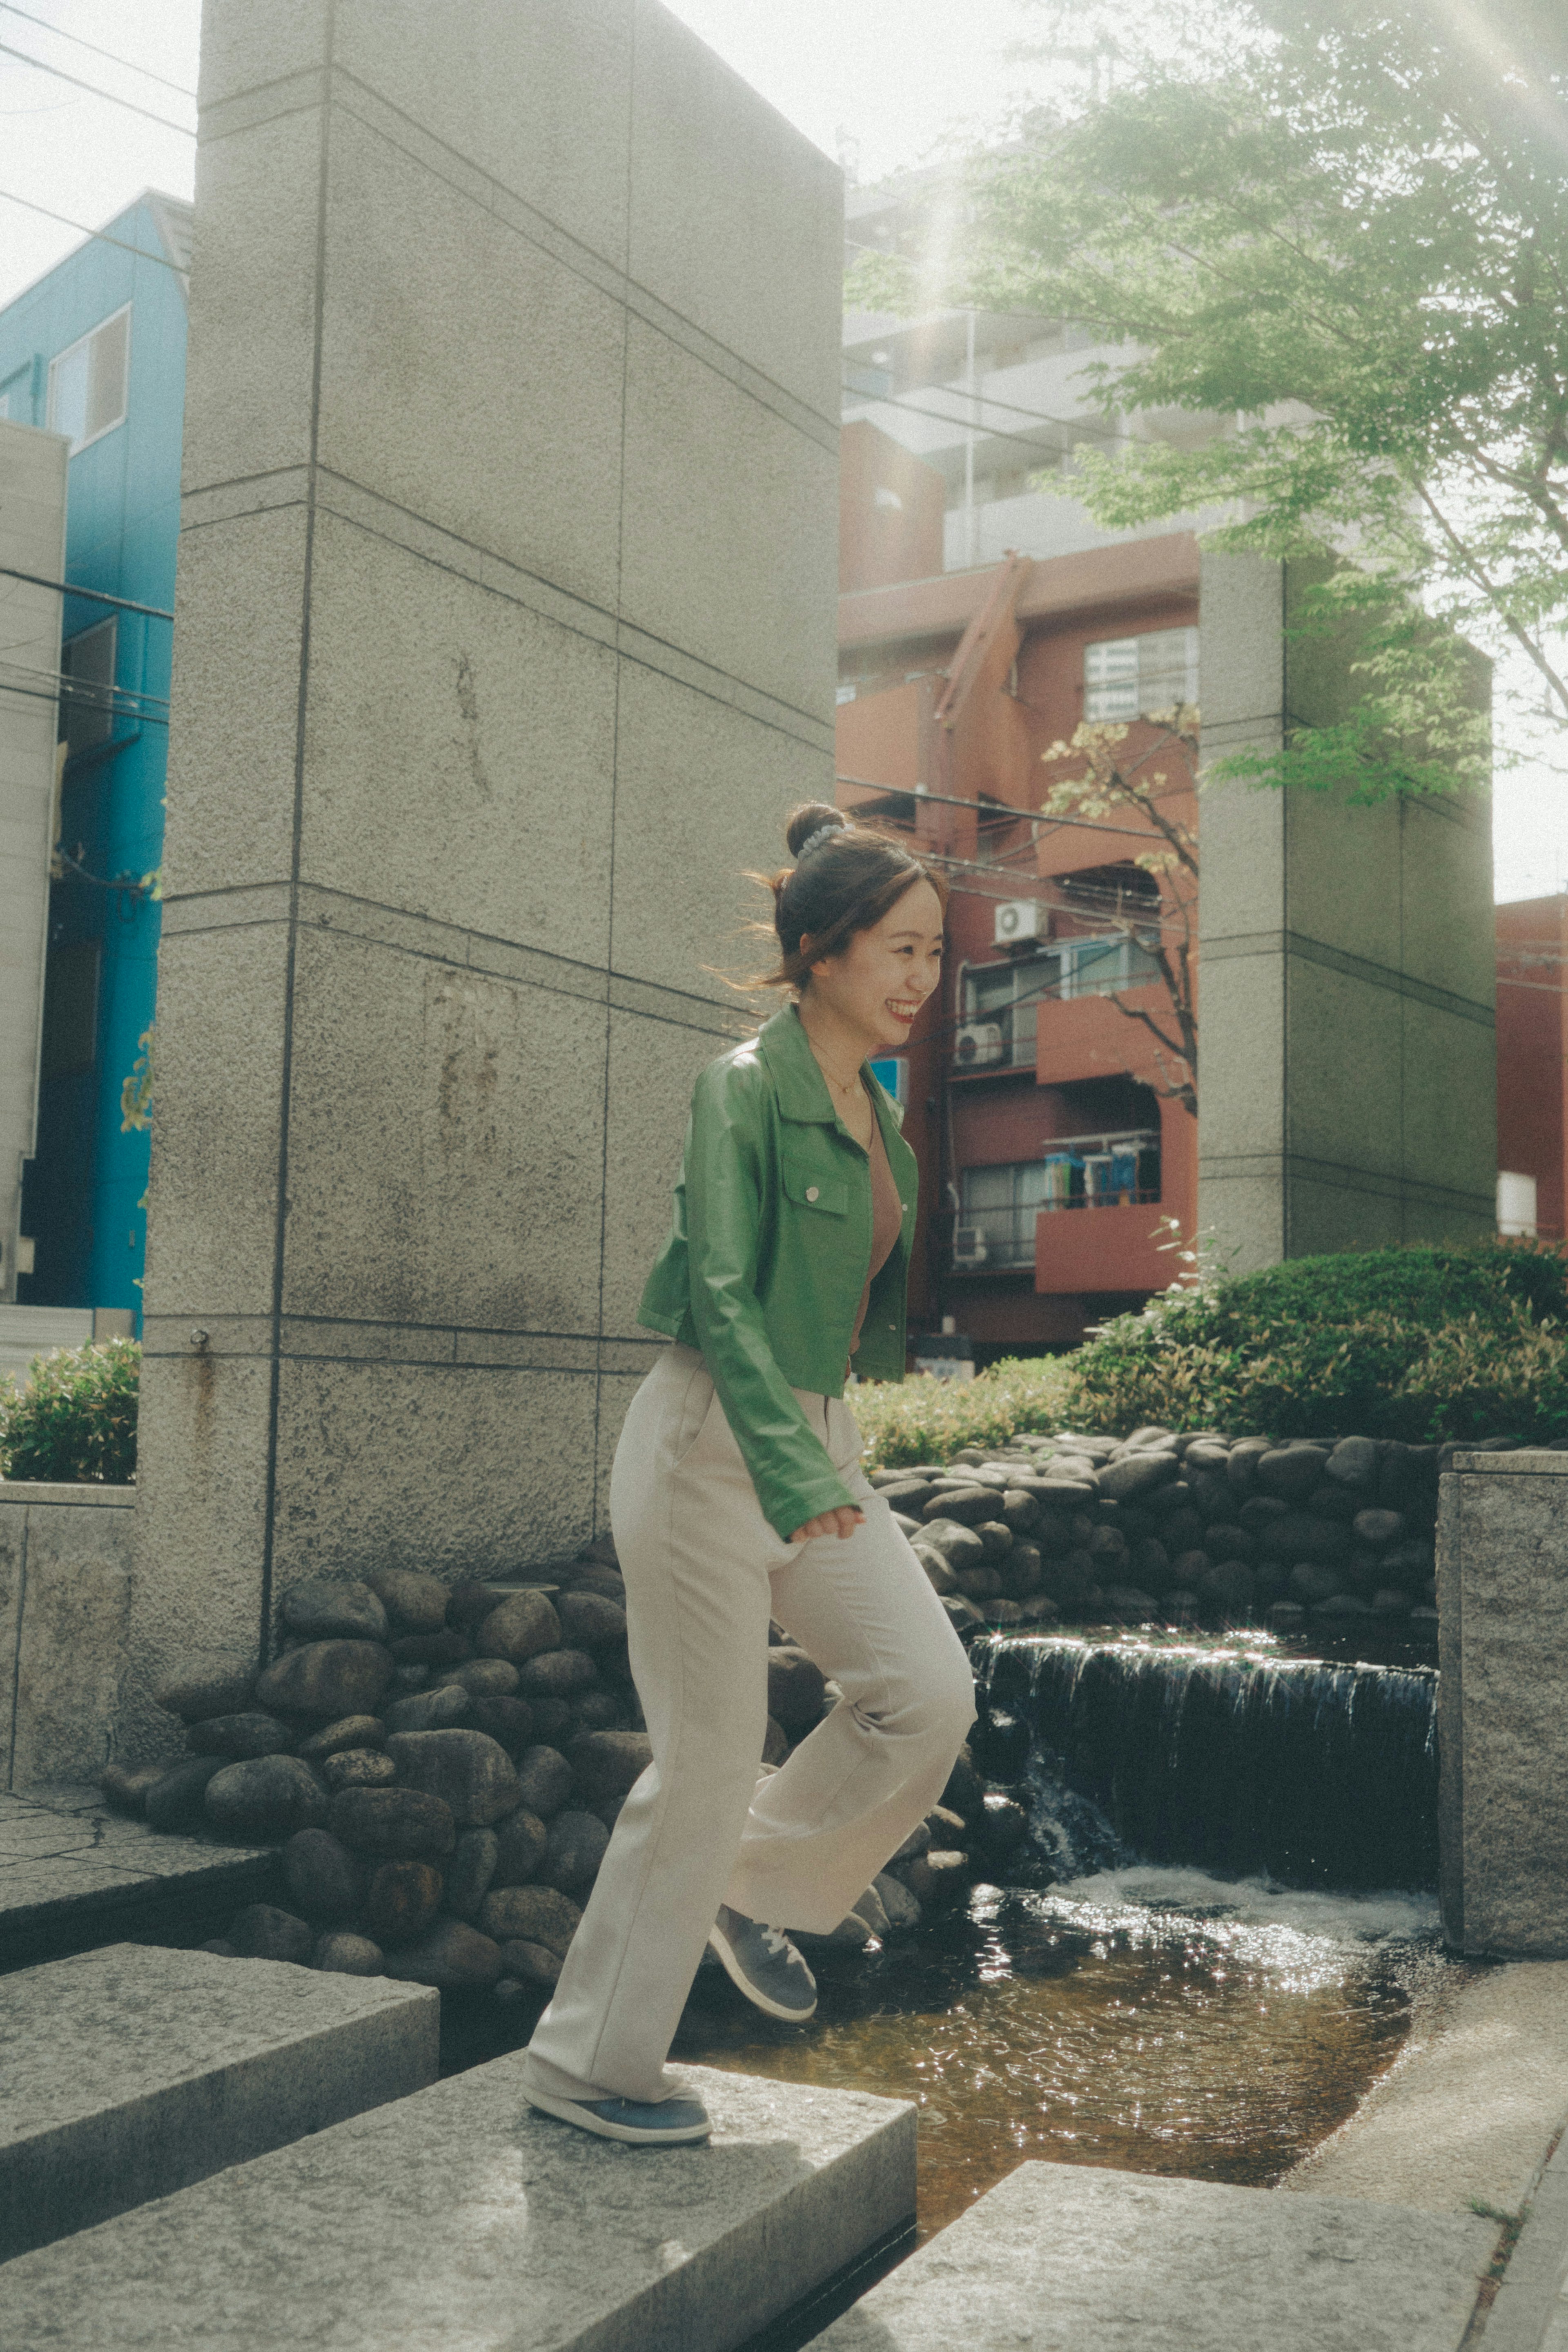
point(1323, 243)
point(75, 1419)
point(1421, 1344)
point(923, 1419)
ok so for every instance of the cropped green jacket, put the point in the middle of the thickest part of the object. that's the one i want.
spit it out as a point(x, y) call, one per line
point(767, 1256)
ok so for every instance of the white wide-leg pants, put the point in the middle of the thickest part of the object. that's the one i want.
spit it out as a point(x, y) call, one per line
point(704, 1572)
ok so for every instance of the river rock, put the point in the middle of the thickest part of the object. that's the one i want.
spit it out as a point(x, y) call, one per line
point(125, 1787)
point(1352, 1464)
point(347, 1955)
point(262, 1932)
point(1223, 1541)
point(1229, 1585)
point(440, 1709)
point(470, 1872)
point(451, 1956)
point(482, 1677)
point(557, 1674)
point(899, 1905)
point(1241, 1464)
point(327, 1679)
point(402, 1900)
point(1379, 1528)
point(268, 1797)
point(966, 1504)
point(177, 1798)
point(1137, 1475)
point(576, 1848)
point(413, 1603)
point(1300, 1535)
point(521, 1843)
point(401, 1824)
point(598, 1710)
point(237, 1737)
point(531, 1914)
point(470, 1772)
point(445, 1648)
point(1000, 1743)
point(322, 1610)
point(510, 1721)
point(995, 1540)
point(1310, 1582)
point(326, 1880)
point(544, 1778)
point(349, 1731)
point(937, 1880)
point(357, 1768)
point(1292, 1471)
point(203, 1689)
point(469, 1604)
point(522, 1627)
point(1001, 1830)
point(533, 1964)
point(1343, 1605)
point(1206, 1454)
point(590, 1621)
point(610, 1763)
point(796, 1689)
point(965, 1793)
point(960, 1547)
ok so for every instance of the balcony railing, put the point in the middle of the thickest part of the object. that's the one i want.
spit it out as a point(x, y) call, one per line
point(1110, 1170)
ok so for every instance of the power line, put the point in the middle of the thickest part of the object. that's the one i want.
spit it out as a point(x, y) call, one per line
point(37, 694)
point(76, 39)
point(103, 235)
point(93, 595)
point(998, 810)
point(992, 432)
point(91, 87)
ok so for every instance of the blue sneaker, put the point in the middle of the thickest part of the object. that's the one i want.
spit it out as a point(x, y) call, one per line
point(669, 2122)
point(764, 1964)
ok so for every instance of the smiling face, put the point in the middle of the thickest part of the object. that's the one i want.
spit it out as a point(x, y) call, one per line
point(874, 989)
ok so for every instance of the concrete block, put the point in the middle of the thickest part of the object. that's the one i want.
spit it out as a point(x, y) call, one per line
point(1449, 1059)
point(1530, 2313)
point(730, 579)
point(1065, 2258)
point(463, 699)
point(72, 1614)
point(459, 2216)
point(654, 1066)
point(505, 430)
point(1343, 1039)
point(702, 793)
point(1502, 1703)
point(413, 1084)
point(131, 2072)
point(1470, 2107)
point(713, 174)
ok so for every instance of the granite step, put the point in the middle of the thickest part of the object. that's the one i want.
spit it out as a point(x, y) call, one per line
point(458, 2216)
point(131, 2071)
point(1064, 2258)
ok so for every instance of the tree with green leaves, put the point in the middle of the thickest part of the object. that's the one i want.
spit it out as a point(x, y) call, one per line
point(1331, 236)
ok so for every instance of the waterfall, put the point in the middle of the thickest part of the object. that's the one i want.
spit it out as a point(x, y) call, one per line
point(1311, 1774)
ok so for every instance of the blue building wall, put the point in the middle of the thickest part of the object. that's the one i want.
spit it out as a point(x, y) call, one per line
point(82, 1194)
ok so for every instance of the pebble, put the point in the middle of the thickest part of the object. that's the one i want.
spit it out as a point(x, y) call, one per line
point(557, 1674)
point(519, 1629)
point(327, 1679)
point(125, 1786)
point(402, 1900)
point(544, 1778)
point(321, 1608)
point(900, 1906)
point(469, 1771)
point(266, 1796)
point(533, 1914)
point(511, 1721)
point(348, 1955)
point(262, 1932)
point(236, 1736)
point(325, 1879)
point(430, 1710)
point(349, 1731)
point(937, 1880)
point(413, 1603)
point(357, 1768)
point(574, 1851)
point(445, 1647)
point(484, 1677)
point(198, 1691)
point(469, 1604)
point(521, 1843)
point(532, 1964)
point(177, 1799)
point(397, 1823)
point(964, 1794)
point(611, 1763)
point(451, 1956)
point(796, 1687)
point(590, 1621)
point(470, 1872)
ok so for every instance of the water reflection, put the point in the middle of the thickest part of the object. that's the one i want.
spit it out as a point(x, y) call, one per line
point(1163, 2021)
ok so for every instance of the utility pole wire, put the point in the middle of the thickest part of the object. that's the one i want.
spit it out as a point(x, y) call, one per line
point(76, 39)
point(93, 88)
point(103, 235)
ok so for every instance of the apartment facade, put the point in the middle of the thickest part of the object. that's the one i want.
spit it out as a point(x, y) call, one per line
point(93, 356)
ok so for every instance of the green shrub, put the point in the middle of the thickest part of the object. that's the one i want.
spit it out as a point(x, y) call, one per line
point(1417, 1343)
point(923, 1419)
point(75, 1419)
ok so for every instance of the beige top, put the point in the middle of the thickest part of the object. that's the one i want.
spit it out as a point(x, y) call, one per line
point(886, 1219)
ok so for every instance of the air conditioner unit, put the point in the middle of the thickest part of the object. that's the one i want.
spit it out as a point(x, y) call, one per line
point(1021, 921)
point(970, 1246)
point(977, 1042)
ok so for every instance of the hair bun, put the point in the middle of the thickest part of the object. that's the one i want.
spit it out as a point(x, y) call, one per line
point(811, 817)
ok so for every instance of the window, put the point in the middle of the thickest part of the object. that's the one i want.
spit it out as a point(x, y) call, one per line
point(1101, 967)
point(1008, 994)
point(1125, 678)
point(71, 1011)
point(87, 687)
point(88, 382)
point(996, 1224)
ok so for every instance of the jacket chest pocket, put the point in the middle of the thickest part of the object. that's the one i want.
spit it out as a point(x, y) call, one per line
point(820, 1195)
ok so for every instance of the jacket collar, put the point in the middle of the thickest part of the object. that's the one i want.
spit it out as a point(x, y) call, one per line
point(796, 1072)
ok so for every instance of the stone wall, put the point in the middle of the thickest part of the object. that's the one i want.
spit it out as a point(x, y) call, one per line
point(64, 1597)
point(1502, 1603)
point(504, 640)
point(1349, 1089)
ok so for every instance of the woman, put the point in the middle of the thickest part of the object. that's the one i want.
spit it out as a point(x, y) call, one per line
point(737, 1496)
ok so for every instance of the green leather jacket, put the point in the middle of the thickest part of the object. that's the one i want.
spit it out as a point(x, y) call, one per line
point(767, 1256)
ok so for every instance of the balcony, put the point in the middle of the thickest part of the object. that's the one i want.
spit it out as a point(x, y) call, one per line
point(1084, 1216)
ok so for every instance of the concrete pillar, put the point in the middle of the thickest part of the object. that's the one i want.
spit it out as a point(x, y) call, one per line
point(32, 540)
point(504, 638)
point(1348, 1087)
point(1502, 1606)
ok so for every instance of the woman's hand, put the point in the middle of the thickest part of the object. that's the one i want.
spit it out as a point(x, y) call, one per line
point(841, 1522)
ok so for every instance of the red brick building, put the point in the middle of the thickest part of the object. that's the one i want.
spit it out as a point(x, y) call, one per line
point(1532, 1065)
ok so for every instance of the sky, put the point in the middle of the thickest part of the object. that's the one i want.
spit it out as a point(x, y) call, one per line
point(880, 84)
